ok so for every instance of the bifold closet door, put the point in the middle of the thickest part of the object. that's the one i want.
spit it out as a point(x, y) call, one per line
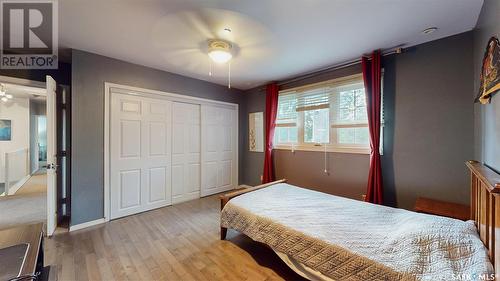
point(185, 152)
point(218, 149)
point(140, 154)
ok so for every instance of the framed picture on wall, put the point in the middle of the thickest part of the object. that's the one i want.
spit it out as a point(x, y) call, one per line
point(256, 132)
point(5, 130)
point(490, 72)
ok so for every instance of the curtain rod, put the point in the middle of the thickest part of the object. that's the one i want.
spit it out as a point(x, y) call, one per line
point(332, 68)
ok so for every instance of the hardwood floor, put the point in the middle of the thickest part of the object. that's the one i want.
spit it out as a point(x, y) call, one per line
point(179, 242)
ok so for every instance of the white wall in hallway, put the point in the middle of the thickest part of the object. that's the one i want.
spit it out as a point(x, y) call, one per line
point(16, 110)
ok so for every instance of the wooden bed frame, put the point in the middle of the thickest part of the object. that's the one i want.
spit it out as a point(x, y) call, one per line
point(485, 207)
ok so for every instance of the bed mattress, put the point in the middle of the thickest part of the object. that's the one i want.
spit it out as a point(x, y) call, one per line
point(345, 239)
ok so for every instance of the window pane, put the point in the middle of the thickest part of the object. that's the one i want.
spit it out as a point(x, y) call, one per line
point(286, 108)
point(358, 136)
point(293, 132)
point(285, 135)
point(317, 126)
point(361, 114)
point(345, 114)
point(362, 136)
point(346, 106)
point(346, 99)
point(276, 135)
point(308, 126)
point(346, 135)
point(360, 97)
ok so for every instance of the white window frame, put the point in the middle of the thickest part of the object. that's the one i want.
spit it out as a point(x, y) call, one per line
point(332, 146)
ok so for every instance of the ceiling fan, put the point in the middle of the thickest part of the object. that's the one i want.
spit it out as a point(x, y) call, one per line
point(4, 97)
point(204, 40)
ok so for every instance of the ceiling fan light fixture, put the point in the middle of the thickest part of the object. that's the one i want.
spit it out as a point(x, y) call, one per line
point(219, 51)
point(8, 96)
point(220, 56)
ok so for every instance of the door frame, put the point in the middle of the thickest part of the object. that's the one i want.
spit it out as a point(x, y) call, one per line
point(52, 170)
point(63, 132)
point(110, 88)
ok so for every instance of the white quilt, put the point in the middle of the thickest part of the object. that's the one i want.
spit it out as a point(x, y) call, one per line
point(346, 239)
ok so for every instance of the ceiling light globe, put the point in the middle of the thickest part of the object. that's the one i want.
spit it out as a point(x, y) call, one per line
point(8, 96)
point(220, 56)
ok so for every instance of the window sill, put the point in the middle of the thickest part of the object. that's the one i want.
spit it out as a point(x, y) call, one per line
point(321, 148)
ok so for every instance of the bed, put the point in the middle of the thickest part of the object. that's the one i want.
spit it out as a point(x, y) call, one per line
point(325, 237)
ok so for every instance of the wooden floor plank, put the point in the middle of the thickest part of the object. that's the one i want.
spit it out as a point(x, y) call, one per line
point(179, 242)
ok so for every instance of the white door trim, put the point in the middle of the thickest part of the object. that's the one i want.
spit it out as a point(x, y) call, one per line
point(51, 155)
point(108, 87)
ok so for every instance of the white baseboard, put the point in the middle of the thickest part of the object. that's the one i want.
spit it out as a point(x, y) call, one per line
point(13, 189)
point(186, 197)
point(86, 224)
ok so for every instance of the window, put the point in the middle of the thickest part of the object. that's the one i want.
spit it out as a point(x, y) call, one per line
point(330, 115)
point(286, 120)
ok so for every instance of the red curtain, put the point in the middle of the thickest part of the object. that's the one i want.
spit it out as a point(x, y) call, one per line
point(271, 111)
point(372, 73)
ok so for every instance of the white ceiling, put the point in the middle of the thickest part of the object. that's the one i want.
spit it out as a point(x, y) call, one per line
point(21, 91)
point(274, 39)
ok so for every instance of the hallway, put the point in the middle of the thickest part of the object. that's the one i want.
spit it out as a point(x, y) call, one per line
point(28, 205)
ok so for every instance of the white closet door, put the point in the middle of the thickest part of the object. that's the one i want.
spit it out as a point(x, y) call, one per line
point(185, 152)
point(219, 149)
point(140, 154)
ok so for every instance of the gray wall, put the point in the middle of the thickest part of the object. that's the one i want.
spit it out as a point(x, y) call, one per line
point(89, 72)
point(486, 117)
point(433, 121)
point(428, 130)
point(255, 101)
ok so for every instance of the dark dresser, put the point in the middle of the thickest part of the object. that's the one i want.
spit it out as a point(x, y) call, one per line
point(21, 254)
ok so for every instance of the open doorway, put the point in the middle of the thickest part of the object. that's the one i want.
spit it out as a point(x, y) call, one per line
point(38, 142)
point(30, 154)
point(42, 142)
point(24, 193)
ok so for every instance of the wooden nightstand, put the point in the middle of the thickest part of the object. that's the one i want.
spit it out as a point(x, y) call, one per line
point(441, 208)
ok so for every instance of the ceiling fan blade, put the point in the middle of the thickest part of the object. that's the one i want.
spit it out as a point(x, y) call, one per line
point(200, 22)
